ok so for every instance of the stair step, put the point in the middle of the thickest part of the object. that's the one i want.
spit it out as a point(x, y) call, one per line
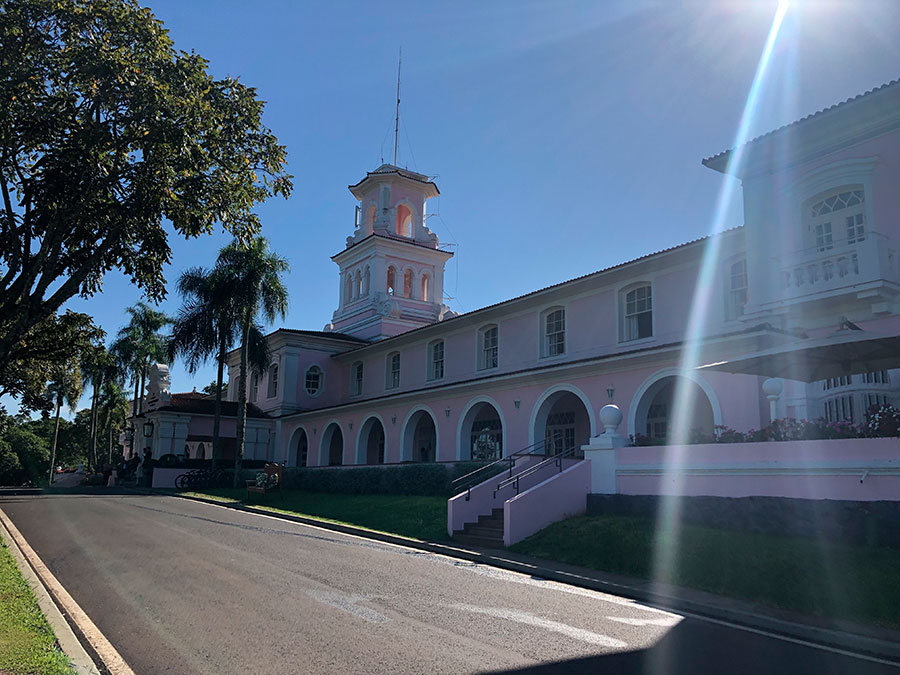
point(473, 540)
point(497, 513)
point(490, 520)
point(481, 531)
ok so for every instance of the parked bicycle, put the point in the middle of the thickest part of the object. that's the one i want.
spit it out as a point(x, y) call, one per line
point(202, 479)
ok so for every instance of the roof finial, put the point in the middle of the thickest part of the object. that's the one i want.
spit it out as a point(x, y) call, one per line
point(397, 115)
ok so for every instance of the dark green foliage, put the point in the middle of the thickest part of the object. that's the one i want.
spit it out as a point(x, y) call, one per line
point(11, 471)
point(32, 451)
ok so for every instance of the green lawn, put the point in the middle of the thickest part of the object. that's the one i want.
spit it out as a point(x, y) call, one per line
point(808, 575)
point(422, 518)
point(27, 644)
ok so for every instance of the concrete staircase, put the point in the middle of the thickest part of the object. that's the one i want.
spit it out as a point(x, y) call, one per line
point(486, 533)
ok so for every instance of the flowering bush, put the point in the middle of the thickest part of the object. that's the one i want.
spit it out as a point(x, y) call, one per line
point(881, 421)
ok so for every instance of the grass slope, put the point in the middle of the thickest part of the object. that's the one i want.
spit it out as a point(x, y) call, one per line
point(27, 643)
point(422, 518)
point(807, 575)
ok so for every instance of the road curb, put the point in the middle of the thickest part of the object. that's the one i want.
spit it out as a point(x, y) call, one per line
point(826, 637)
point(61, 605)
point(78, 657)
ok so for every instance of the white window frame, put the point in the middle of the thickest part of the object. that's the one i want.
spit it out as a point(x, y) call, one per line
point(484, 359)
point(436, 368)
point(547, 338)
point(735, 296)
point(321, 380)
point(830, 228)
point(392, 375)
point(254, 387)
point(357, 378)
point(624, 315)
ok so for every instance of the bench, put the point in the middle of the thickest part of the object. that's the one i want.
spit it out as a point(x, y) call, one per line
point(270, 470)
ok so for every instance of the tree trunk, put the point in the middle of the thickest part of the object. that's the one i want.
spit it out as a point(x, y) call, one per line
point(95, 418)
point(59, 400)
point(143, 384)
point(217, 413)
point(242, 404)
point(110, 442)
point(134, 412)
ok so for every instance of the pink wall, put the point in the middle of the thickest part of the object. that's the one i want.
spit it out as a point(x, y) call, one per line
point(828, 469)
point(561, 496)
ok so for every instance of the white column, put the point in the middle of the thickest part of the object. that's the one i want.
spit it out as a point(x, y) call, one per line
point(601, 452)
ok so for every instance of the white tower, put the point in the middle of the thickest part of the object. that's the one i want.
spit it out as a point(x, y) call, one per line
point(392, 271)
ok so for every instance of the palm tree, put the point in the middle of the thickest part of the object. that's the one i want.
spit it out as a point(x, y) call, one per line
point(255, 275)
point(207, 325)
point(138, 345)
point(97, 368)
point(112, 410)
point(64, 385)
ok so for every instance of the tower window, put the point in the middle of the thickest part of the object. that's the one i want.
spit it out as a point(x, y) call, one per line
point(425, 289)
point(391, 280)
point(404, 221)
point(436, 360)
point(393, 371)
point(407, 283)
point(356, 379)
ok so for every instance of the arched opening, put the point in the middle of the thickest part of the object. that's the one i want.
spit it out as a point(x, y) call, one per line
point(562, 424)
point(420, 438)
point(300, 449)
point(407, 284)
point(187, 451)
point(481, 433)
point(425, 288)
point(331, 452)
point(370, 216)
point(357, 285)
point(201, 451)
point(370, 447)
point(391, 280)
point(367, 277)
point(404, 220)
point(348, 288)
point(654, 417)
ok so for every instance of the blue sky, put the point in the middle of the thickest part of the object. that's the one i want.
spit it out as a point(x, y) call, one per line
point(565, 136)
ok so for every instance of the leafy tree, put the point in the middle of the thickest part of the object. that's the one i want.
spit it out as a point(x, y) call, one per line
point(30, 449)
point(53, 343)
point(98, 366)
point(11, 471)
point(64, 386)
point(105, 131)
point(214, 389)
point(206, 326)
point(258, 291)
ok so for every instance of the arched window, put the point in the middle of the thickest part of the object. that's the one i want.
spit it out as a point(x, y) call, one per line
point(736, 296)
point(425, 289)
point(356, 379)
point(407, 283)
point(201, 451)
point(348, 288)
point(404, 221)
point(254, 387)
point(273, 380)
point(391, 280)
point(637, 313)
point(313, 381)
point(839, 216)
point(392, 380)
point(554, 332)
point(488, 347)
point(367, 278)
point(436, 360)
point(357, 285)
point(370, 217)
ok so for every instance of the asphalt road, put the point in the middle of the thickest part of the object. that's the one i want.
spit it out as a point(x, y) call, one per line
point(185, 587)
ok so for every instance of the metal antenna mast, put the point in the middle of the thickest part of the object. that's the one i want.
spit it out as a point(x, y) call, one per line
point(397, 115)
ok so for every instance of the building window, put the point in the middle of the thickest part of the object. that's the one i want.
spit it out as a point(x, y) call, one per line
point(404, 221)
point(393, 371)
point(876, 377)
point(273, 381)
point(737, 290)
point(839, 409)
point(554, 338)
point(638, 314)
point(841, 214)
point(357, 285)
point(436, 360)
point(488, 350)
point(425, 289)
point(356, 379)
point(313, 380)
point(876, 401)
point(407, 283)
point(348, 288)
point(834, 382)
point(367, 278)
point(391, 280)
point(254, 388)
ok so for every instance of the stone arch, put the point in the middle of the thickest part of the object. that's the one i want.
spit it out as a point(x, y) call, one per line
point(425, 291)
point(391, 287)
point(574, 423)
point(331, 447)
point(405, 218)
point(370, 441)
point(480, 409)
point(415, 433)
point(409, 282)
point(298, 448)
point(645, 394)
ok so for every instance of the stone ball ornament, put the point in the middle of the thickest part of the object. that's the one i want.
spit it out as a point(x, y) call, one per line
point(773, 387)
point(610, 417)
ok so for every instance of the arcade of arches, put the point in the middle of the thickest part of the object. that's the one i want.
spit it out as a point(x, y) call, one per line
point(481, 435)
point(562, 424)
point(654, 417)
point(420, 438)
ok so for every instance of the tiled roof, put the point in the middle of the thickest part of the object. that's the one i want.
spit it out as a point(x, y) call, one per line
point(829, 109)
point(204, 404)
point(322, 334)
point(387, 169)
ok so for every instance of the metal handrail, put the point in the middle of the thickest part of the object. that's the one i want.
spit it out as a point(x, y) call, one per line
point(514, 480)
point(509, 459)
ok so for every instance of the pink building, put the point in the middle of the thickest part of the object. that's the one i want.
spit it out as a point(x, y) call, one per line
point(397, 377)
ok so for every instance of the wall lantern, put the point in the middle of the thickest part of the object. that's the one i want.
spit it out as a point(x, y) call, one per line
point(517, 403)
point(447, 412)
point(148, 428)
point(351, 426)
point(393, 419)
point(610, 391)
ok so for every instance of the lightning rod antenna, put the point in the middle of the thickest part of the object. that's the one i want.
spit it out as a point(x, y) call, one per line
point(397, 115)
